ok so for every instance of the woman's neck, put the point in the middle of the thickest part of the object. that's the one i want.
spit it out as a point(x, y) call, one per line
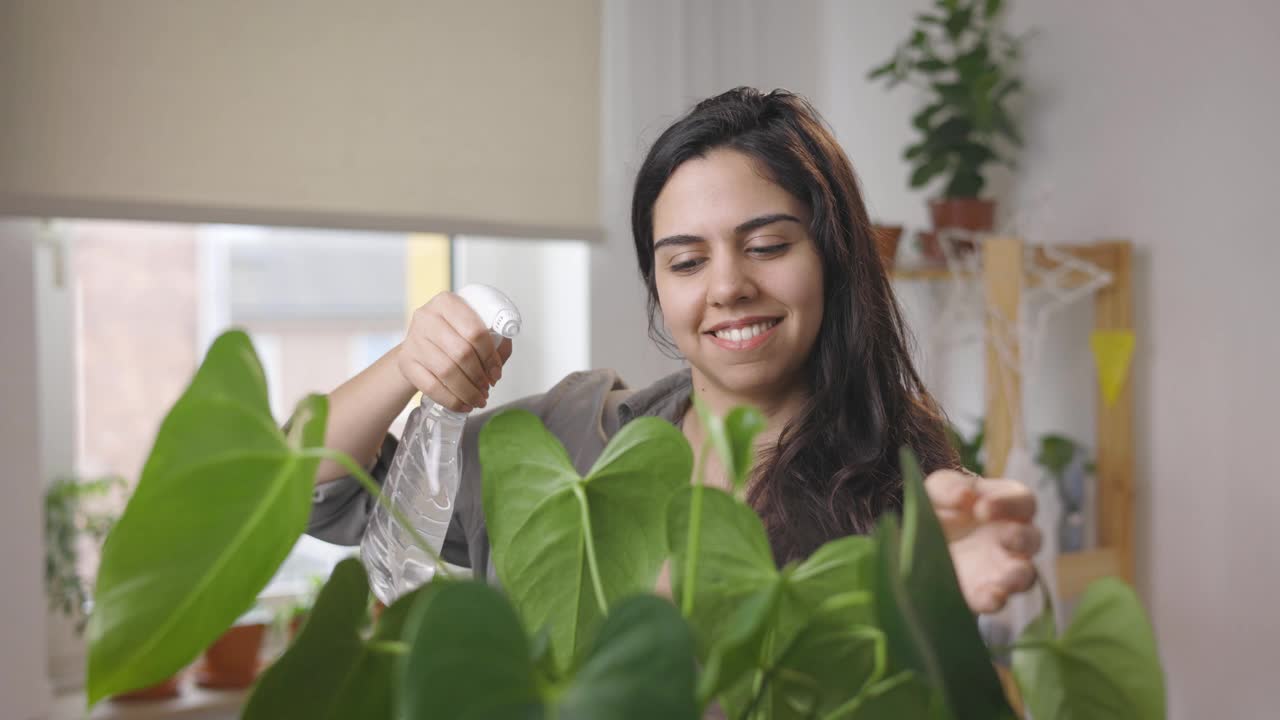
point(779, 407)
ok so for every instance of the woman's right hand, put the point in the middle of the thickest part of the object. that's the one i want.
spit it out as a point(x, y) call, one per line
point(449, 355)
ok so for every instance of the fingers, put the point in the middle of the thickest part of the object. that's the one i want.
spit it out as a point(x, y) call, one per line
point(427, 383)
point(991, 597)
point(1001, 499)
point(449, 355)
point(469, 327)
point(951, 489)
point(455, 363)
point(1020, 539)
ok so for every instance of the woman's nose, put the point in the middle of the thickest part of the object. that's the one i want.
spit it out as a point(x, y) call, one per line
point(729, 283)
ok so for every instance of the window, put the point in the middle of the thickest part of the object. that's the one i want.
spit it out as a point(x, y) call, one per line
point(319, 305)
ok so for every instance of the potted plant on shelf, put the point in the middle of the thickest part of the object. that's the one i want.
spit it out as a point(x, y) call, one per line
point(1068, 466)
point(960, 57)
point(69, 521)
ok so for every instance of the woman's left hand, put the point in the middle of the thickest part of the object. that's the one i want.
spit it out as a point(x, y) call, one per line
point(988, 524)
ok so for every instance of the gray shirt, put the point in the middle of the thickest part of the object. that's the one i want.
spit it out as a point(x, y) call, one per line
point(583, 411)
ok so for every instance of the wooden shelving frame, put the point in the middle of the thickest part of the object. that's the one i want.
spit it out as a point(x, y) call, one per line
point(1003, 278)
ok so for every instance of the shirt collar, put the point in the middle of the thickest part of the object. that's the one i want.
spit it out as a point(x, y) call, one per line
point(667, 398)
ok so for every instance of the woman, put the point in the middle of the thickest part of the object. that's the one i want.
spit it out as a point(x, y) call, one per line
point(754, 244)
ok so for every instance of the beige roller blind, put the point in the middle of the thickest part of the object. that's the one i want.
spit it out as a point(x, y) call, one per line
point(476, 116)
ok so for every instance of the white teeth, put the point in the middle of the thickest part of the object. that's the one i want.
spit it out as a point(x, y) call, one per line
point(745, 333)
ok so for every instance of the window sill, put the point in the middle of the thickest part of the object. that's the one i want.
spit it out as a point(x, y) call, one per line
point(194, 703)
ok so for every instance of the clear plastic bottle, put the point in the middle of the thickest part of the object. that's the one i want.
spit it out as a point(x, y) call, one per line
point(423, 478)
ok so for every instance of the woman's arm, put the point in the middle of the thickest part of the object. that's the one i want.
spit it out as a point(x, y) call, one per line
point(360, 412)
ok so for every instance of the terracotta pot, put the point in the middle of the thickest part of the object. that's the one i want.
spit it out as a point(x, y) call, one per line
point(887, 237)
point(232, 661)
point(165, 690)
point(974, 214)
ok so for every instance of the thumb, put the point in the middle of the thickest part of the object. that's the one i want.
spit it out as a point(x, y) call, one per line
point(953, 495)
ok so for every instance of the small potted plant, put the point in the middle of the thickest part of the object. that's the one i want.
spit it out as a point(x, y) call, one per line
point(1063, 459)
point(70, 520)
point(961, 58)
point(234, 659)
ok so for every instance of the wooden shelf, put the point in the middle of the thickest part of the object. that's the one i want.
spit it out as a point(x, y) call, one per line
point(1004, 280)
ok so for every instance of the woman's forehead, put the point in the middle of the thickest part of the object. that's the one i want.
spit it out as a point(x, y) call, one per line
point(719, 192)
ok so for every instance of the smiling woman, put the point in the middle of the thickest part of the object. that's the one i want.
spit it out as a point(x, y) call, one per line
point(754, 245)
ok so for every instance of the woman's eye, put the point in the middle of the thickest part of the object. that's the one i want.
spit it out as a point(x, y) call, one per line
point(686, 265)
point(769, 250)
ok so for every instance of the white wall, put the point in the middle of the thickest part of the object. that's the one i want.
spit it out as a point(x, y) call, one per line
point(24, 688)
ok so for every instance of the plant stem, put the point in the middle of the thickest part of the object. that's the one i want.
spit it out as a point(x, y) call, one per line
point(390, 647)
point(869, 693)
point(592, 567)
point(371, 485)
point(694, 537)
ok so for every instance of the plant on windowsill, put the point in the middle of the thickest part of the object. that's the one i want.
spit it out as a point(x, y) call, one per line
point(70, 519)
point(866, 627)
point(959, 55)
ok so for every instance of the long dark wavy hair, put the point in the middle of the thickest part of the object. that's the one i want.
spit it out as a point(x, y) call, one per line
point(835, 468)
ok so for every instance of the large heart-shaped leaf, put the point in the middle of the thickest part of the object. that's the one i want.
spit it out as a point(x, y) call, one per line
point(331, 670)
point(222, 499)
point(641, 666)
point(1104, 666)
point(563, 546)
point(741, 598)
point(927, 623)
point(470, 658)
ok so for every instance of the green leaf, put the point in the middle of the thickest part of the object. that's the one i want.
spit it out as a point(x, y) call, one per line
point(732, 438)
point(954, 94)
point(330, 670)
point(741, 597)
point(923, 120)
point(992, 8)
point(927, 623)
point(641, 666)
point(470, 658)
point(1009, 86)
point(825, 666)
point(958, 22)
point(881, 70)
point(539, 510)
point(931, 65)
point(222, 499)
point(928, 171)
point(1105, 666)
point(965, 183)
point(1004, 124)
point(970, 65)
point(1056, 453)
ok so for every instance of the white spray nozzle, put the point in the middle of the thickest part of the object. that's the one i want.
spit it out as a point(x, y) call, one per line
point(496, 310)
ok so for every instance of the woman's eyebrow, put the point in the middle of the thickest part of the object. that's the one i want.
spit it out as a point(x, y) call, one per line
point(754, 223)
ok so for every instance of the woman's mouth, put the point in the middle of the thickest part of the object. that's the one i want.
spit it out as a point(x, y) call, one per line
point(745, 337)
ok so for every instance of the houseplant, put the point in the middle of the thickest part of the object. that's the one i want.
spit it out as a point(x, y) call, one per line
point(960, 58)
point(70, 519)
point(866, 627)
